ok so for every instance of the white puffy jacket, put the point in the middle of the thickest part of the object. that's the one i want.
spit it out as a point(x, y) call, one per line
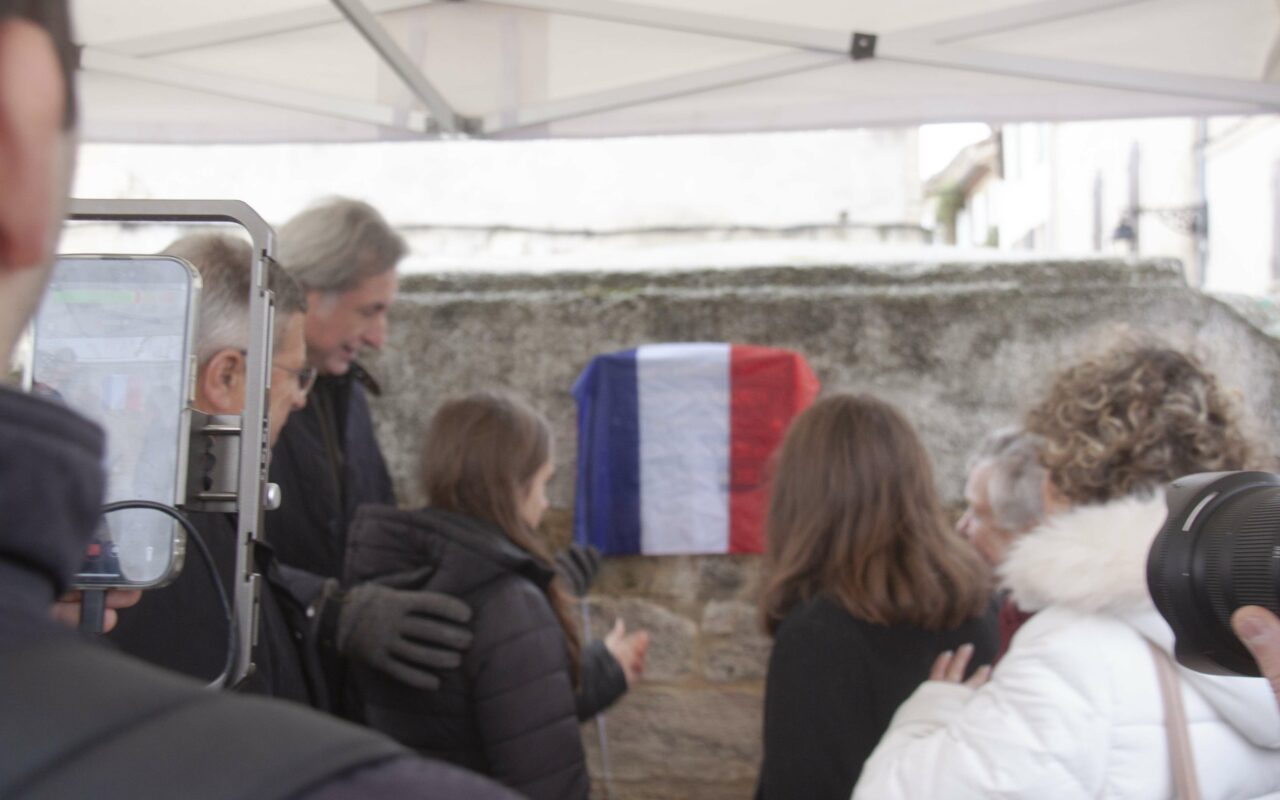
point(1074, 710)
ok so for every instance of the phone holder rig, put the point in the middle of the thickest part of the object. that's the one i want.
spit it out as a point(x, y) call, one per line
point(236, 448)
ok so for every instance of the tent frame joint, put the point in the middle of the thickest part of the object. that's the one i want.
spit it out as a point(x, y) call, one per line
point(862, 46)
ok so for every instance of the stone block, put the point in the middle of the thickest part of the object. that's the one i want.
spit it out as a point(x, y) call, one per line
point(733, 647)
point(673, 580)
point(691, 737)
point(689, 789)
point(671, 636)
point(729, 576)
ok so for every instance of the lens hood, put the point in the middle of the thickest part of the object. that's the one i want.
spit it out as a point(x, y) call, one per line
point(1219, 549)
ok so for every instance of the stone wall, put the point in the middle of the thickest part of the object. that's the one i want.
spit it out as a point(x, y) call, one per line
point(960, 347)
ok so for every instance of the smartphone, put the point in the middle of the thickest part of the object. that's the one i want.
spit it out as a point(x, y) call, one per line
point(114, 340)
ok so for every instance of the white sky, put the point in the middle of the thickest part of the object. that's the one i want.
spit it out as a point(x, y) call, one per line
point(940, 143)
point(773, 179)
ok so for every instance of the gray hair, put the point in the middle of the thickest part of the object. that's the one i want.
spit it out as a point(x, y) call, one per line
point(333, 246)
point(225, 264)
point(1015, 477)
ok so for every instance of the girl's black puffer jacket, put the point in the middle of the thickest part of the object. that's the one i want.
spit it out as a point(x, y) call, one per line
point(509, 711)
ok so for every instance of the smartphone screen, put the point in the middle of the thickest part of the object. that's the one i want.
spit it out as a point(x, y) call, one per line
point(113, 340)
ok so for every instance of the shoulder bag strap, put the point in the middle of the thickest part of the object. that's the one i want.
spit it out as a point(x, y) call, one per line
point(1181, 759)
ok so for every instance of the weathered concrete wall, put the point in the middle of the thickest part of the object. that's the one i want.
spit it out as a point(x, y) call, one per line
point(961, 348)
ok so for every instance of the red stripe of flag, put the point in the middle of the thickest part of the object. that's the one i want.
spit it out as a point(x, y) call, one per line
point(767, 388)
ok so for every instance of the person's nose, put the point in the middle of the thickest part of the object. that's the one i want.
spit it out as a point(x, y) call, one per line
point(376, 334)
point(964, 525)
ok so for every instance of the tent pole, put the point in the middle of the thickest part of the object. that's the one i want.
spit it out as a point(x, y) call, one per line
point(244, 28)
point(442, 114)
point(95, 60)
point(653, 91)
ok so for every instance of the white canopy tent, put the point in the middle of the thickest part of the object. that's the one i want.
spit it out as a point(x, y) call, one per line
point(350, 70)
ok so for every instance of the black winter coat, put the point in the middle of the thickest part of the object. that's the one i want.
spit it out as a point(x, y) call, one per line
point(81, 721)
point(327, 464)
point(182, 627)
point(834, 682)
point(509, 711)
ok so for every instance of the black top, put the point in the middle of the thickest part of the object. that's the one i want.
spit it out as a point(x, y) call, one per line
point(509, 711)
point(834, 683)
point(327, 463)
point(182, 627)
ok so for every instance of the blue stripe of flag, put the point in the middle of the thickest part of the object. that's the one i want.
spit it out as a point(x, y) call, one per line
point(607, 497)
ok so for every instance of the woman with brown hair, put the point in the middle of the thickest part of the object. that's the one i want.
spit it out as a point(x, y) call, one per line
point(1074, 709)
point(866, 585)
point(512, 710)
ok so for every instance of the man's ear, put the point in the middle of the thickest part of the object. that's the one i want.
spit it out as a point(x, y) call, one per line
point(31, 115)
point(221, 383)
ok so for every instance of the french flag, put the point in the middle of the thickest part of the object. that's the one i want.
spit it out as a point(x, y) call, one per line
point(673, 444)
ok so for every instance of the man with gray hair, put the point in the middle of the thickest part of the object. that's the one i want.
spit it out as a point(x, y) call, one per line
point(181, 626)
point(222, 329)
point(344, 254)
point(1004, 502)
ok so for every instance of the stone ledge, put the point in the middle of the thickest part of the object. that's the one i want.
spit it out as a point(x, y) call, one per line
point(1008, 271)
point(700, 735)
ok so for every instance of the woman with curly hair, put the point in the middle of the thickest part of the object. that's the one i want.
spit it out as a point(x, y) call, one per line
point(1074, 709)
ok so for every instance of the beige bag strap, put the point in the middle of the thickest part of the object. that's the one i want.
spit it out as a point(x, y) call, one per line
point(1175, 720)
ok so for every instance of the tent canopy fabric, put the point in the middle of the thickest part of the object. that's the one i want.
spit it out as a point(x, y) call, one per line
point(363, 70)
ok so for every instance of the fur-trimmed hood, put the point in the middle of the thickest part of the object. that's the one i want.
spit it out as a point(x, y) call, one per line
point(1091, 558)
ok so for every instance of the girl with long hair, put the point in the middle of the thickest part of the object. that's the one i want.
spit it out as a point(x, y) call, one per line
point(866, 585)
point(512, 710)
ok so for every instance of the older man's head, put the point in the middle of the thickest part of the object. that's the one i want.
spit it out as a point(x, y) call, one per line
point(1002, 492)
point(344, 254)
point(222, 329)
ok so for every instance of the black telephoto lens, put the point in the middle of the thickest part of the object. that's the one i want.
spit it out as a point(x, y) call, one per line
point(1219, 550)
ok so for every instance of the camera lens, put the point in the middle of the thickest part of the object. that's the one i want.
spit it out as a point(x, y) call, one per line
point(1219, 550)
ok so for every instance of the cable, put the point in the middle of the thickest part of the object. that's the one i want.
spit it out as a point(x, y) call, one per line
point(193, 535)
point(93, 610)
point(605, 765)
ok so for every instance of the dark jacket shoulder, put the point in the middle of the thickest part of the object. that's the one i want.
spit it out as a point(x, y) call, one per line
point(834, 683)
point(510, 711)
point(327, 464)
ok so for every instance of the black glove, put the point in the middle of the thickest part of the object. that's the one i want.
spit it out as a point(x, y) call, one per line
point(409, 634)
point(578, 567)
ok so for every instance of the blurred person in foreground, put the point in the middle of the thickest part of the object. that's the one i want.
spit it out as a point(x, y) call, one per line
point(1004, 502)
point(80, 720)
point(1075, 707)
point(866, 584)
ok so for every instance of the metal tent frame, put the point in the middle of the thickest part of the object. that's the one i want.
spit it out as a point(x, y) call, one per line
point(947, 45)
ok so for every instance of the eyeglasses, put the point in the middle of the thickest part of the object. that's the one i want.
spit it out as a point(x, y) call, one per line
point(306, 376)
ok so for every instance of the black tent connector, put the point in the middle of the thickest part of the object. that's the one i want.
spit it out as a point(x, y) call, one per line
point(864, 46)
